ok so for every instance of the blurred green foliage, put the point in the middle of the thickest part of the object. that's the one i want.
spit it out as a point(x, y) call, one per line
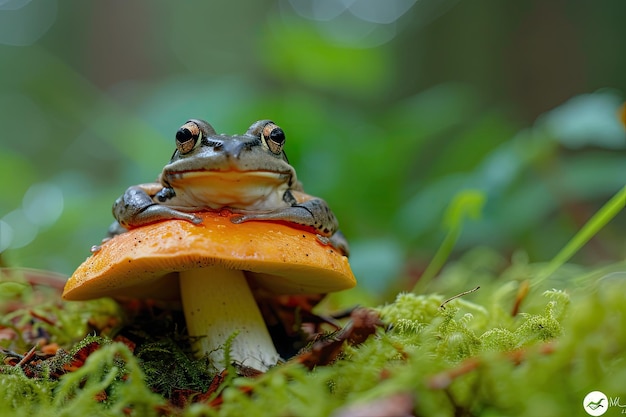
point(387, 121)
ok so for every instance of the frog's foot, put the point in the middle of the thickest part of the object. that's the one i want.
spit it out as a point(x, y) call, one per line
point(295, 214)
point(157, 212)
point(136, 207)
point(337, 241)
point(115, 229)
point(298, 215)
point(240, 218)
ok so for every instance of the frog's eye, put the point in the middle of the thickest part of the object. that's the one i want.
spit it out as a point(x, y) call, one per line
point(274, 137)
point(187, 137)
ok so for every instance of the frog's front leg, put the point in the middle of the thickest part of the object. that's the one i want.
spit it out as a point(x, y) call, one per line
point(306, 211)
point(139, 205)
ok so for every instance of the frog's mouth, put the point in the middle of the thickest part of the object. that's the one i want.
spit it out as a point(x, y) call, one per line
point(248, 190)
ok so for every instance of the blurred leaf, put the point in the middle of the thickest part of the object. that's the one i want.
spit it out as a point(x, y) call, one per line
point(430, 113)
point(22, 174)
point(479, 136)
point(590, 175)
point(318, 62)
point(588, 120)
point(376, 262)
point(526, 180)
point(10, 290)
point(466, 204)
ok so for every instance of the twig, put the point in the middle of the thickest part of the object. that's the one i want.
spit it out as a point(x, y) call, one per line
point(27, 357)
point(443, 305)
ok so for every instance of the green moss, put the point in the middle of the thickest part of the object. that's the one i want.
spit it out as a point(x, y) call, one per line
point(36, 312)
point(498, 340)
point(422, 341)
point(113, 375)
point(166, 355)
point(110, 383)
point(408, 306)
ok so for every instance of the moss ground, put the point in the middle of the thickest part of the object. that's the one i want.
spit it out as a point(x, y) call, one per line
point(497, 351)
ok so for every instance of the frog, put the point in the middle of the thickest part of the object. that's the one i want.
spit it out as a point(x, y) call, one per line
point(247, 174)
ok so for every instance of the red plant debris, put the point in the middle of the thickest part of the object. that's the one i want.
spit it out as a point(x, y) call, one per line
point(363, 323)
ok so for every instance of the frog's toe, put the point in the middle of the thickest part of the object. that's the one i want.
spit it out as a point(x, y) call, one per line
point(238, 219)
point(184, 216)
point(323, 239)
point(336, 241)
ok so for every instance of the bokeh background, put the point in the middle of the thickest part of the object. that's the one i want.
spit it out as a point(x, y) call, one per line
point(391, 108)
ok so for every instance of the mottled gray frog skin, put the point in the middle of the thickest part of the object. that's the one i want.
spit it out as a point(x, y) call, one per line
point(248, 174)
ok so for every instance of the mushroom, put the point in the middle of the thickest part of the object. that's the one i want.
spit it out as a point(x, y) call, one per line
point(209, 267)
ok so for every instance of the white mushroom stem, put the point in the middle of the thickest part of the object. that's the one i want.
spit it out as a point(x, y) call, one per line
point(217, 303)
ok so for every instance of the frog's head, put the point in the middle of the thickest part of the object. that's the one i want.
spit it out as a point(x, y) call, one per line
point(199, 147)
point(242, 165)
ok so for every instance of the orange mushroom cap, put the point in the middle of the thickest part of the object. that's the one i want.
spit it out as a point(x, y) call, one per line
point(142, 263)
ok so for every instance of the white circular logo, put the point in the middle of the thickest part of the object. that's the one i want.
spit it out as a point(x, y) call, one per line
point(596, 403)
